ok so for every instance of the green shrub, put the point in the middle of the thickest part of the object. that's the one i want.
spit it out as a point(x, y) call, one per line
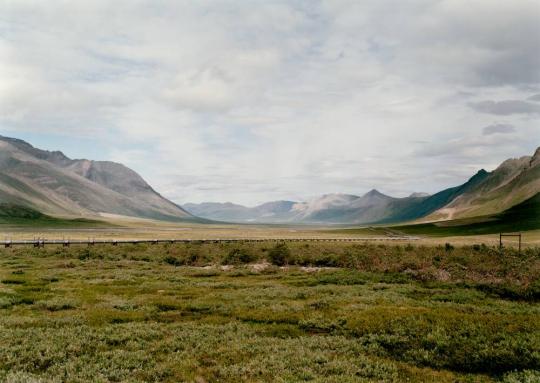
point(341, 278)
point(164, 306)
point(279, 255)
point(238, 256)
point(208, 273)
point(510, 292)
point(57, 304)
point(320, 304)
point(326, 260)
point(174, 261)
point(525, 376)
point(5, 302)
point(84, 254)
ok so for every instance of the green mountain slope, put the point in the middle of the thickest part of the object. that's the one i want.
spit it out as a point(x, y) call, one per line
point(408, 209)
point(513, 182)
point(522, 217)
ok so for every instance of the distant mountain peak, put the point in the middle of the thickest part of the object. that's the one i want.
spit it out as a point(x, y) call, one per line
point(479, 175)
point(374, 193)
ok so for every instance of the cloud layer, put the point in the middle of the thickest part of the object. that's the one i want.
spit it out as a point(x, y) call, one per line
point(498, 128)
point(248, 102)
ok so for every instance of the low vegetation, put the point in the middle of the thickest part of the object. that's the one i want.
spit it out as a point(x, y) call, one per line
point(270, 312)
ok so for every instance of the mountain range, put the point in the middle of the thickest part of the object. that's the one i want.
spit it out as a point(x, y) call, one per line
point(485, 193)
point(54, 184)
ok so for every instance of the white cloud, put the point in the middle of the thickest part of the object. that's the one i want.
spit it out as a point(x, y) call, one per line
point(231, 100)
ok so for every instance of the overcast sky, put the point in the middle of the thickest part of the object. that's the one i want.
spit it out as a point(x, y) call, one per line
point(251, 101)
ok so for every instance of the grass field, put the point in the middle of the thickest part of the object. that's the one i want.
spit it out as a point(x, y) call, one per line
point(261, 312)
point(146, 229)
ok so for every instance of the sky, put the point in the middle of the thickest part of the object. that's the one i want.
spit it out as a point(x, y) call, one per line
point(252, 101)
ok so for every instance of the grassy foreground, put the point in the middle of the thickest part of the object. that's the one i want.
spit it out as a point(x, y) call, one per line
point(323, 312)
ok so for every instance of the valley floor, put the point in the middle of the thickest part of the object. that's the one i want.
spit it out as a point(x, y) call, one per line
point(148, 230)
point(324, 312)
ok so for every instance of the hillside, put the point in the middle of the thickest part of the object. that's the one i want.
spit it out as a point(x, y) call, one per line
point(522, 217)
point(56, 185)
point(427, 205)
point(513, 182)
